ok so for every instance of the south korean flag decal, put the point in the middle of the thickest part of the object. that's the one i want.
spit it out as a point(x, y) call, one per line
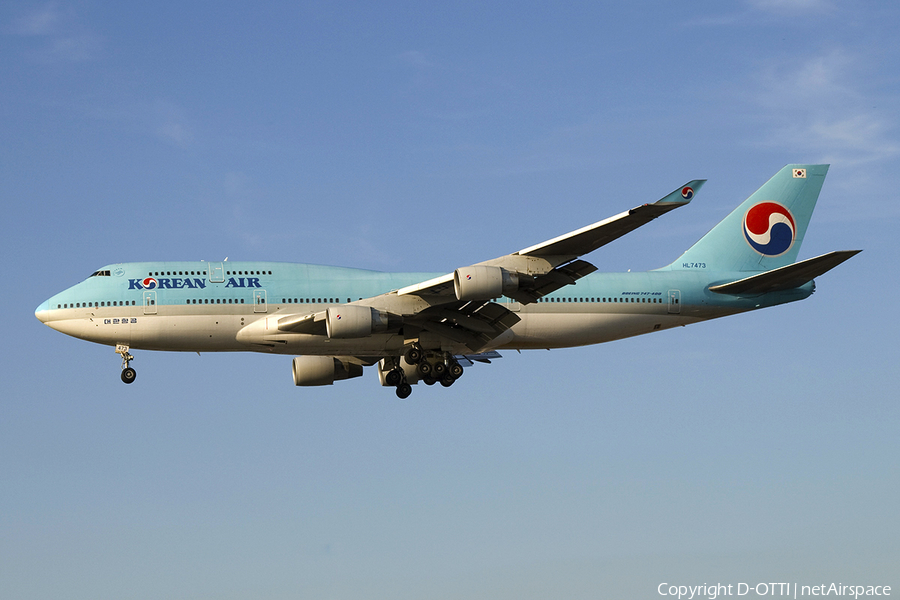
point(799, 173)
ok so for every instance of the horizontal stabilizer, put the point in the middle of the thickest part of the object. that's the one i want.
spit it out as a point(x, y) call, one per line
point(785, 278)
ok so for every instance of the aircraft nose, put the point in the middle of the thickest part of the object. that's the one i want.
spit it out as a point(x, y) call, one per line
point(42, 312)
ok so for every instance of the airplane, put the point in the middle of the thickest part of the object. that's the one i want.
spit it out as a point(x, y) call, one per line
point(427, 326)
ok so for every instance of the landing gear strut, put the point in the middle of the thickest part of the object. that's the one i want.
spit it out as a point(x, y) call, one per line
point(395, 377)
point(128, 374)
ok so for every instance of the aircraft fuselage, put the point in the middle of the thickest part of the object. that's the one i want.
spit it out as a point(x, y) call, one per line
point(232, 306)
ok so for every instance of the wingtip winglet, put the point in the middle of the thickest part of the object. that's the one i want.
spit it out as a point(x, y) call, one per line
point(684, 194)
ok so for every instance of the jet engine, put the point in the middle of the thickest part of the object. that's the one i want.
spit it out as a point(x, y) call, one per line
point(350, 321)
point(323, 370)
point(483, 283)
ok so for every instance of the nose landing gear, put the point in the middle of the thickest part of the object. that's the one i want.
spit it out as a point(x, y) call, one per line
point(128, 374)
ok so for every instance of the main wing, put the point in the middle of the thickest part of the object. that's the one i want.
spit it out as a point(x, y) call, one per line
point(459, 308)
point(541, 269)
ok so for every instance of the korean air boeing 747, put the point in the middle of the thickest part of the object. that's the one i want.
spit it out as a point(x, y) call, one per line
point(426, 326)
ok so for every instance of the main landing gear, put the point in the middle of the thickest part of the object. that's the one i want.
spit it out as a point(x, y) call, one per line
point(128, 374)
point(397, 378)
point(430, 367)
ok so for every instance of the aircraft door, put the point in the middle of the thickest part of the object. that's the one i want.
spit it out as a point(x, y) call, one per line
point(216, 273)
point(259, 301)
point(674, 301)
point(149, 302)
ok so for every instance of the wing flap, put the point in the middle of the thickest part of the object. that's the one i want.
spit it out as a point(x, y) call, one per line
point(483, 357)
point(785, 278)
point(473, 324)
point(557, 278)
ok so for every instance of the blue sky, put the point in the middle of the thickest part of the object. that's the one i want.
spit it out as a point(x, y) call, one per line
point(423, 137)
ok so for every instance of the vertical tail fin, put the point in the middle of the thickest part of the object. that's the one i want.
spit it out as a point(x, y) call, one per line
point(766, 230)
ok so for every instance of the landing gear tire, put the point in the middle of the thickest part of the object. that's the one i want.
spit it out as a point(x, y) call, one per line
point(404, 390)
point(429, 380)
point(394, 377)
point(424, 369)
point(413, 355)
point(447, 380)
point(438, 369)
point(455, 370)
point(128, 375)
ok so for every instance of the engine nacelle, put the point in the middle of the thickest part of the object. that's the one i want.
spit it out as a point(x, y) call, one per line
point(481, 282)
point(323, 370)
point(350, 321)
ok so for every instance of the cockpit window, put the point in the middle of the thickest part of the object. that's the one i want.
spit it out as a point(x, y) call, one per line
point(100, 274)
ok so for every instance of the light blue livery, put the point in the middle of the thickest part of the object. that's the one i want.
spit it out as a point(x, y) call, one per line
point(428, 326)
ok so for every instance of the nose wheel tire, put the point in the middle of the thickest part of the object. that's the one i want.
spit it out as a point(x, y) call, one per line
point(128, 375)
